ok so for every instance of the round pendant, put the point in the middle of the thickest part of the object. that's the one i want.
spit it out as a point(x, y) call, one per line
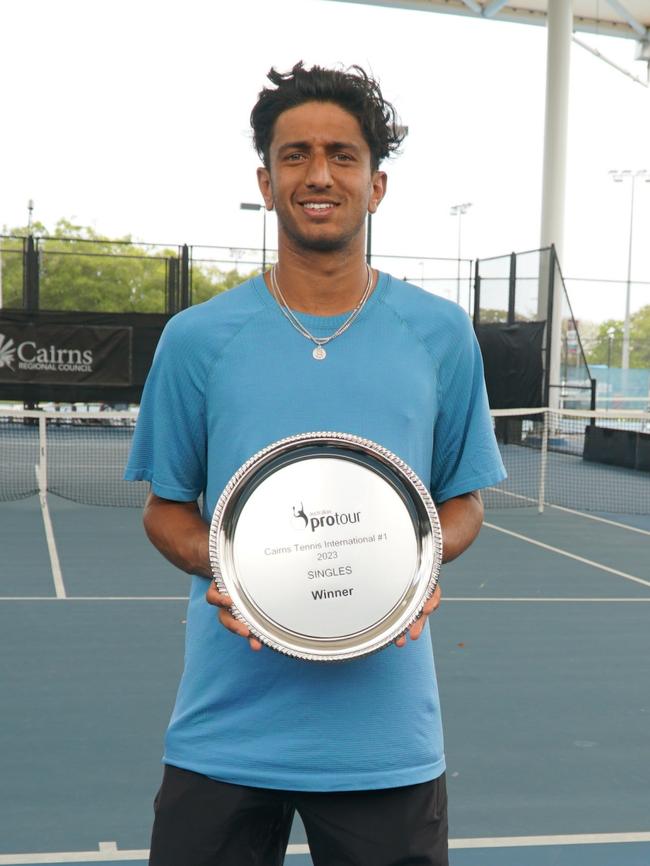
point(319, 353)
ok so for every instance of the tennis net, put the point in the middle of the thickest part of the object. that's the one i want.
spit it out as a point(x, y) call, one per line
point(74, 455)
point(588, 461)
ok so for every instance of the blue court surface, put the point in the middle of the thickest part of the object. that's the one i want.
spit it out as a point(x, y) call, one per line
point(542, 646)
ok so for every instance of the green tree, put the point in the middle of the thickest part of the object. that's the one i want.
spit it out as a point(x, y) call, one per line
point(208, 280)
point(80, 269)
point(490, 316)
point(640, 338)
point(607, 345)
point(11, 271)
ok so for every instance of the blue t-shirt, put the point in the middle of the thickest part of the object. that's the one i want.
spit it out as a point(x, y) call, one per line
point(231, 376)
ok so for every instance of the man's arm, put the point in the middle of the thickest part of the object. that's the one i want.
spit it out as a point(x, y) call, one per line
point(179, 532)
point(460, 520)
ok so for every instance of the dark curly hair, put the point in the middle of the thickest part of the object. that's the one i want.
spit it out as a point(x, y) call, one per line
point(352, 89)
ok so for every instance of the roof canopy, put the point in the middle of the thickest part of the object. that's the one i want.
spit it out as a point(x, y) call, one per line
point(628, 18)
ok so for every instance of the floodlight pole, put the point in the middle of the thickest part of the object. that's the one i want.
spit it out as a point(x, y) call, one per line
point(611, 332)
point(620, 177)
point(245, 205)
point(458, 210)
point(625, 356)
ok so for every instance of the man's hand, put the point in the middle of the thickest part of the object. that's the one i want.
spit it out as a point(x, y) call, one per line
point(416, 629)
point(224, 603)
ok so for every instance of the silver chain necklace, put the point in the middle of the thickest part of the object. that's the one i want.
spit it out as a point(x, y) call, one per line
point(318, 352)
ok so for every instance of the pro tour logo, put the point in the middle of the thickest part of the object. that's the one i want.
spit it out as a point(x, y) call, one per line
point(301, 521)
point(7, 352)
point(320, 519)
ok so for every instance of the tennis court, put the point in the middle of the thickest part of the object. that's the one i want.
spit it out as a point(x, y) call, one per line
point(542, 646)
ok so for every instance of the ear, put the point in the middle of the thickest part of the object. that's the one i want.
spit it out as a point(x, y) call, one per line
point(378, 184)
point(264, 183)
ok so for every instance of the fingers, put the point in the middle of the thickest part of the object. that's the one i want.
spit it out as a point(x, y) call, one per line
point(225, 617)
point(433, 603)
point(416, 629)
point(213, 596)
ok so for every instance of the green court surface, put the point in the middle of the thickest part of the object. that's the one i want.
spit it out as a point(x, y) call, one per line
point(541, 644)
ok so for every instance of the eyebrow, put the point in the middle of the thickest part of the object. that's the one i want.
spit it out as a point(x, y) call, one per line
point(305, 145)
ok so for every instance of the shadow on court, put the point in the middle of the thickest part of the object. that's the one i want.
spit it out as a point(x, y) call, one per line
point(541, 647)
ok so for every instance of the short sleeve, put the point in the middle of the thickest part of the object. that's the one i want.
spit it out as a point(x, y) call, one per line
point(169, 444)
point(465, 453)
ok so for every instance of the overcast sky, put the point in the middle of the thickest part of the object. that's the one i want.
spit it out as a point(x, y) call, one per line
point(132, 117)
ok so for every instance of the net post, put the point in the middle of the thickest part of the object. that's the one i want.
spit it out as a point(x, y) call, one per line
point(543, 463)
point(593, 383)
point(42, 455)
point(41, 473)
point(185, 281)
point(477, 293)
point(512, 288)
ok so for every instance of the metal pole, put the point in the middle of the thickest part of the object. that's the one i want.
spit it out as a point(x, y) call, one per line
point(369, 240)
point(556, 126)
point(593, 383)
point(512, 288)
point(31, 287)
point(477, 293)
point(625, 356)
point(264, 241)
point(185, 299)
point(543, 462)
point(458, 210)
point(460, 216)
point(41, 475)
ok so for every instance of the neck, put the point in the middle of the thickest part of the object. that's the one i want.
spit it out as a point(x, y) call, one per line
point(322, 284)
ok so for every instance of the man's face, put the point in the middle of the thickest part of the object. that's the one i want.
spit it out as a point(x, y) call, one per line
point(320, 179)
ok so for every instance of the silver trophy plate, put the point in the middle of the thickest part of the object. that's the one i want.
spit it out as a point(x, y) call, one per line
point(328, 545)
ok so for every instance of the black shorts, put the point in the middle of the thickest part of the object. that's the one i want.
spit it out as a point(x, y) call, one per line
point(202, 822)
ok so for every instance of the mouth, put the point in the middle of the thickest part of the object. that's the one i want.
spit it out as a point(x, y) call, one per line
point(318, 209)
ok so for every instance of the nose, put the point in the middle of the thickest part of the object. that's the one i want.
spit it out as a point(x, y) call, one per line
point(318, 172)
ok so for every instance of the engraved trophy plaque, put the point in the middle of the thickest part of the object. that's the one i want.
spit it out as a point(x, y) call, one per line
point(328, 545)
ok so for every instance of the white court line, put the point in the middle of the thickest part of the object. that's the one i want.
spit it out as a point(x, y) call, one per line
point(529, 841)
point(566, 553)
point(542, 600)
point(95, 598)
point(55, 565)
point(109, 853)
point(584, 514)
point(601, 519)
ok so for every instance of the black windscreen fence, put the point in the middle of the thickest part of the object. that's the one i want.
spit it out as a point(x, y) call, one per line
point(73, 357)
point(513, 361)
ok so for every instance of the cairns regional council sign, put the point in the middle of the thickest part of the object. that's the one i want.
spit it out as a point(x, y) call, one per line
point(64, 354)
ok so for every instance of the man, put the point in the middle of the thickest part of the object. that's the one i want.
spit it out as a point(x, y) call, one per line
point(321, 343)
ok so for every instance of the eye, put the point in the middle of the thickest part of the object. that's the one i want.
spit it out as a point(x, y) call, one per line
point(343, 157)
point(296, 156)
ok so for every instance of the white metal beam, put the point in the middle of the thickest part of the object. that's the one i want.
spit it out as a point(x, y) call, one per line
point(493, 7)
point(618, 7)
point(473, 5)
point(517, 11)
point(616, 66)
